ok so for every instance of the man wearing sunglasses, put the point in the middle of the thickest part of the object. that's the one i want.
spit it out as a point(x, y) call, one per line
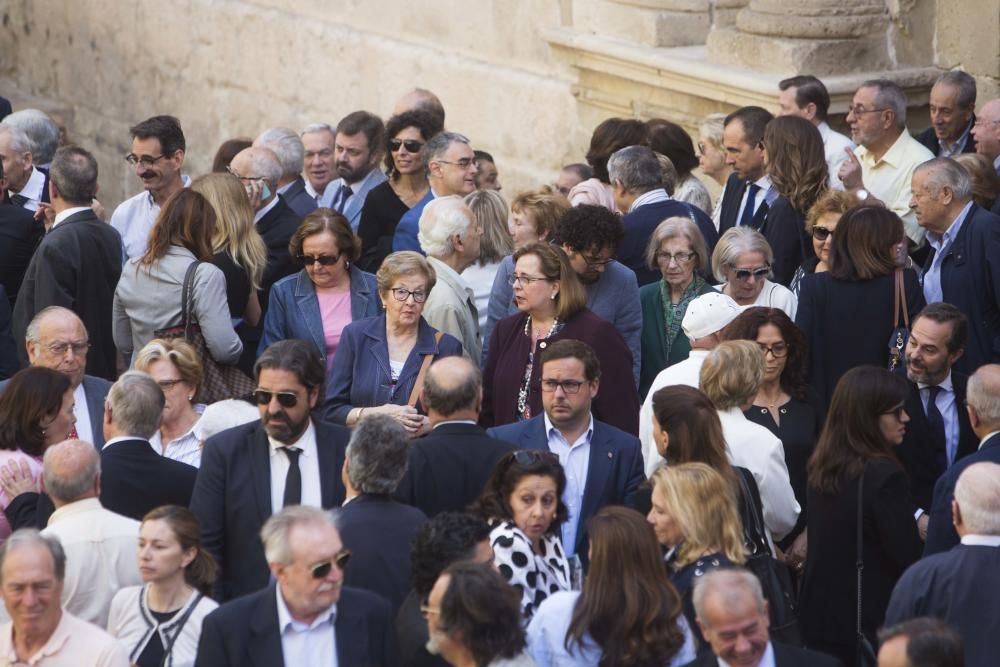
point(306, 616)
point(252, 471)
point(357, 149)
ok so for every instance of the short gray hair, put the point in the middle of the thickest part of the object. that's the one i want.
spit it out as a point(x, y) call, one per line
point(41, 131)
point(136, 403)
point(264, 162)
point(983, 393)
point(636, 168)
point(965, 83)
point(377, 455)
point(977, 493)
point(74, 174)
point(677, 227)
point(438, 145)
point(889, 96)
point(441, 219)
point(278, 529)
point(80, 460)
point(287, 147)
point(730, 583)
point(314, 128)
point(942, 171)
point(19, 141)
point(30, 536)
point(223, 415)
point(32, 331)
point(738, 241)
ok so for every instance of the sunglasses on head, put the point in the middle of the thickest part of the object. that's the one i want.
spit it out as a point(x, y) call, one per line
point(821, 233)
point(340, 560)
point(411, 145)
point(325, 260)
point(285, 398)
point(527, 457)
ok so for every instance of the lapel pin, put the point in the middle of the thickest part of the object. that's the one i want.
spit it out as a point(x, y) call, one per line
point(609, 455)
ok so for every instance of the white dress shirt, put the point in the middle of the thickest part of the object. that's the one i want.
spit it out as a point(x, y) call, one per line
point(33, 190)
point(575, 460)
point(948, 407)
point(834, 144)
point(134, 219)
point(313, 644)
point(933, 290)
point(981, 540)
point(68, 212)
point(766, 660)
point(685, 373)
point(84, 429)
point(312, 492)
point(312, 191)
point(764, 183)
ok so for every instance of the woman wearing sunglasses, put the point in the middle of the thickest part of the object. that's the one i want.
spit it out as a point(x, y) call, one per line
point(865, 423)
point(407, 184)
point(821, 220)
point(522, 502)
point(329, 293)
point(159, 623)
point(380, 361)
point(742, 262)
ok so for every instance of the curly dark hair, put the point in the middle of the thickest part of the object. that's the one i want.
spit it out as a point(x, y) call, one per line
point(746, 327)
point(427, 123)
point(447, 538)
point(494, 503)
point(482, 610)
point(584, 228)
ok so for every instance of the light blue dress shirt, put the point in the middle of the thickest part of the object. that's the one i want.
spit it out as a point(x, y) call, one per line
point(575, 460)
point(933, 291)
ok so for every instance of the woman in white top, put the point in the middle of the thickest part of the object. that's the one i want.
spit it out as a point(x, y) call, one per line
point(159, 623)
point(742, 262)
point(176, 368)
point(495, 244)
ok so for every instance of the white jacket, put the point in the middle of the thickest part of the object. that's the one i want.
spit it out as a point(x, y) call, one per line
point(131, 622)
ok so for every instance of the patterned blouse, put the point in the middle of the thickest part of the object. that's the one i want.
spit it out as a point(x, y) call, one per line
point(535, 576)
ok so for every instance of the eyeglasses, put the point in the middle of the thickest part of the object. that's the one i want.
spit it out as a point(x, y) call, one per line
point(59, 349)
point(896, 412)
point(341, 560)
point(402, 294)
point(323, 260)
point(778, 350)
point(759, 273)
point(701, 148)
point(568, 386)
point(411, 145)
point(982, 122)
point(681, 258)
point(167, 385)
point(464, 163)
point(594, 263)
point(144, 160)
point(858, 110)
point(245, 178)
point(524, 280)
point(821, 233)
point(286, 399)
point(427, 610)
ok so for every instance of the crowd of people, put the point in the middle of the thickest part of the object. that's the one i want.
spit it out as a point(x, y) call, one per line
point(340, 402)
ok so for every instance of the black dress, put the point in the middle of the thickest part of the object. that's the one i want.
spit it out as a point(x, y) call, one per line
point(379, 217)
point(237, 283)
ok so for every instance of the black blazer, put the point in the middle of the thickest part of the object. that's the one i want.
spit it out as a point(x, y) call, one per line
point(379, 532)
point(20, 234)
point(732, 195)
point(77, 265)
point(640, 224)
point(930, 140)
point(300, 201)
point(784, 656)
point(276, 228)
point(9, 363)
point(784, 228)
point(135, 479)
point(29, 510)
point(449, 467)
point(245, 633)
point(232, 499)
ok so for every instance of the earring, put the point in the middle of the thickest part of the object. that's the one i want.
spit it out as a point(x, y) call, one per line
point(191, 397)
point(347, 264)
point(553, 297)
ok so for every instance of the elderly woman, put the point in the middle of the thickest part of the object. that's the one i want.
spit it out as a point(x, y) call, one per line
point(731, 377)
point(552, 305)
point(742, 263)
point(380, 359)
point(821, 221)
point(329, 293)
point(674, 142)
point(712, 155)
point(176, 368)
point(678, 250)
point(495, 245)
point(860, 287)
point(534, 215)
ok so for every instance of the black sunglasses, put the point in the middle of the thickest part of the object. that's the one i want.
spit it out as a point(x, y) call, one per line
point(744, 274)
point(412, 145)
point(821, 233)
point(340, 560)
point(325, 260)
point(285, 398)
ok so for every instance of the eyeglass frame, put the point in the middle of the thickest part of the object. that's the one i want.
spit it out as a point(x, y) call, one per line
point(659, 255)
point(147, 160)
point(341, 560)
point(896, 412)
point(464, 163)
point(233, 172)
point(764, 349)
point(758, 273)
point(546, 386)
point(525, 281)
point(395, 295)
point(310, 260)
point(59, 349)
point(291, 399)
point(858, 111)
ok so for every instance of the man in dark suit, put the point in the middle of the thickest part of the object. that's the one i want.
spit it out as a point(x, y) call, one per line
point(307, 616)
point(963, 267)
point(250, 472)
point(77, 264)
point(5, 108)
point(603, 464)
point(955, 585)
point(449, 466)
point(952, 105)
point(378, 530)
point(732, 615)
point(20, 234)
point(743, 139)
point(288, 148)
point(638, 187)
point(939, 432)
point(984, 386)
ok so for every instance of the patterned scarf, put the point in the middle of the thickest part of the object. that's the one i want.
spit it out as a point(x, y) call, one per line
point(674, 314)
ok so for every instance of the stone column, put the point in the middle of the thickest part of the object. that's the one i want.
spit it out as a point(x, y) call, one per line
point(820, 37)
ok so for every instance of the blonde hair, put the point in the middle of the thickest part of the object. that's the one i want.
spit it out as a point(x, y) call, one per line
point(491, 212)
point(712, 128)
point(545, 206)
point(234, 225)
point(178, 352)
point(731, 373)
point(704, 506)
point(404, 263)
point(831, 201)
point(555, 266)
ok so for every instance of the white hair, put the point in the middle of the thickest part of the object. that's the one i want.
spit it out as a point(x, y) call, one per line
point(287, 147)
point(313, 128)
point(277, 530)
point(977, 493)
point(41, 130)
point(440, 220)
point(19, 141)
point(223, 415)
point(732, 584)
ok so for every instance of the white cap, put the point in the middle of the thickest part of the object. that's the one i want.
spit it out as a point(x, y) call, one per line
point(708, 314)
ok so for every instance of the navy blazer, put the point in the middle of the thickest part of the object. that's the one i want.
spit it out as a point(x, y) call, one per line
point(245, 632)
point(136, 479)
point(298, 199)
point(293, 309)
point(941, 534)
point(360, 376)
point(643, 221)
point(970, 280)
point(20, 234)
point(930, 141)
point(357, 201)
point(785, 655)
point(9, 363)
point(96, 390)
point(232, 499)
point(614, 474)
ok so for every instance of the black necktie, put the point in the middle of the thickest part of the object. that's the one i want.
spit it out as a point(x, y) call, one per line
point(747, 217)
point(343, 194)
point(19, 200)
point(293, 480)
point(935, 423)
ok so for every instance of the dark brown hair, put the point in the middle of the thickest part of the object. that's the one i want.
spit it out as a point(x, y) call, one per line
point(30, 396)
point(747, 326)
point(862, 243)
point(482, 611)
point(326, 220)
point(570, 348)
point(188, 220)
point(426, 123)
point(494, 503)
point(200, 572)
point(227, 151)
point(670, 139)
point(608, 137)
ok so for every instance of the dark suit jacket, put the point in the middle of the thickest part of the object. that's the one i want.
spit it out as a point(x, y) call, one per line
point(135, 479)
point(96, 390)
point(245, 633)
point(77, 265)
point(614, 474)
point(941, 534)
point(732, 195)
point(276, 228)
point(9, 363)
point(970, 279)
point(300, 201)
point(29, 510)
point(784, 228)
point(412, 635)
point(930, 140)
point(784, 656)
point(379, 532)
point(640, 224)
point(917, 453)
point(5, 109)
point(232, 499)
point(449, 467)
point(20, 234)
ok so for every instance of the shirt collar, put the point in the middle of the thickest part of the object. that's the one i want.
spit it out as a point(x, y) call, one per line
point(987, 437)
point(34, 187)
point(56, 641)
point(953, 229)
point(264, 211)
point(824, 129)
point(284, 188)
point(453, 421)
point(311, 190)
point(981, 540)
point(306, 442)
point(945, 384)
point(285, 619)
point(76, 507)
point(185, 183)
point(956, 146)
point(122, 438)
point(549, 428)
point(62, 215)
point(652, 197)
point(450, 274)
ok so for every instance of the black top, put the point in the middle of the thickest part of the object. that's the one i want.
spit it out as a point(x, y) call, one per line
point(152, 655)
point(379, 217)
point(683, 580)
point(237, 283)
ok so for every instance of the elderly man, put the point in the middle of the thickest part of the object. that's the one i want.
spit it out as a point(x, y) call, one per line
point(986, 132)
point(923, 642)
point(318, 142)
point(27, 186)
point(956, 585)
point(306, 616)
point(952, 106)
point(42, 131)
point(806, 97)
point(357, 150)
point(451, 169)
point(883, 163)
point(158, 149)
point(420, 99)
point(40, 633)
point(732, 614)
point(450, 235)
point(288, 148)
point(100, 545)
point(963, 267)
point(378, 530)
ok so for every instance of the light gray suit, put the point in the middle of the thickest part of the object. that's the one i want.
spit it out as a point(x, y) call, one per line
point(354, 205)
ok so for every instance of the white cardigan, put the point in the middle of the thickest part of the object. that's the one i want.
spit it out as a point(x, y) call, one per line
point(132, 624)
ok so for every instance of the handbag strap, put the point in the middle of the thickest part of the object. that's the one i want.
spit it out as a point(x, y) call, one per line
point(186, 291)
point(899, 301)
point(860, 564)
point(759, 538)
point(428, 358)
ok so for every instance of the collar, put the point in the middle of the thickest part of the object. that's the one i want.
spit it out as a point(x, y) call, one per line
point(945, 384)
point(310, 189)
point(68, 212)
point(698, 353)
point(957, 145)
point(764, 183)
point(306, 441)
point(453, 421)
point(122, 438)
point(357, 184)
point(824, 130)
point(56, 642)
point(185, 183)
point(285, 619)
point(766, 660)
point(981, 540)
point(75, 508)
point(588, 434)
point(35, 185)
point(285, 188)
point(652, 197)
point(264, 211)
point(987, 437)
point(953, 229)
point(448, 273)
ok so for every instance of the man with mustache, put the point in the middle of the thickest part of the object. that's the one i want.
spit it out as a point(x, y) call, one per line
point(252, 471)
point(357, 149)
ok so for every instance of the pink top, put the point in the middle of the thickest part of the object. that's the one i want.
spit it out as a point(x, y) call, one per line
point(335, 309)
point(35, 464)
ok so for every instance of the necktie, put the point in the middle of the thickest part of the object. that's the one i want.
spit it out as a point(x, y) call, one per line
point(18, 200)
point(747, 217)
point(343, 194)
point(293, 480)
point(935, 423)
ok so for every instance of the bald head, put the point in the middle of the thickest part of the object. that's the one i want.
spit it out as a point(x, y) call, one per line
point(977, 500)
point(56, 339)
point(71, 470)
point(257, 162)
point(986, 130)
point(983, 399)
point(420, 99)
point(452, 390)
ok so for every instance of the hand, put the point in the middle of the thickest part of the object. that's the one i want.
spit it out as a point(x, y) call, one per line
point(16, 478)
point(425, 427)
point(253, 189)
point(795, 557)
point(98, 209)
point(922, 524)
point(850, 172)
point(45, 214)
